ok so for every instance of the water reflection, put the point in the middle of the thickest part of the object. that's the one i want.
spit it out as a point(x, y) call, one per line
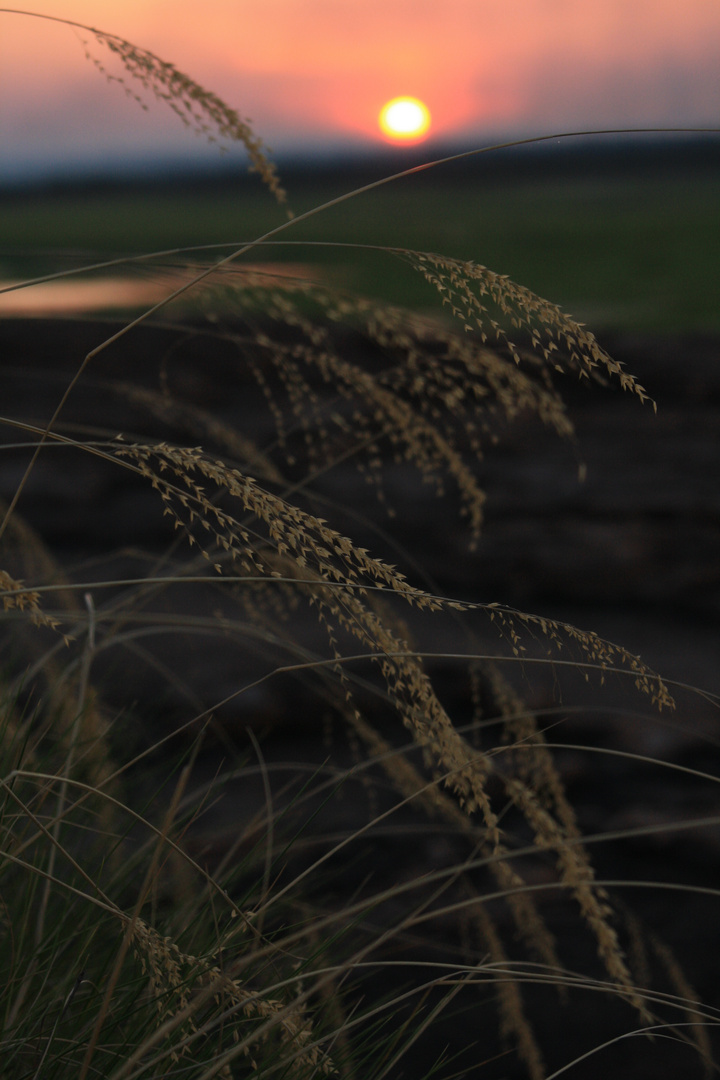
point(78, 296)
point(75, 296)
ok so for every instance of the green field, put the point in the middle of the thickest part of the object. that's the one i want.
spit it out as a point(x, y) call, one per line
point(634, 251)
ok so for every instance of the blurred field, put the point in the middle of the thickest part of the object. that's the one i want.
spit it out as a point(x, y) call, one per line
point(619, 248)
point(260, 722)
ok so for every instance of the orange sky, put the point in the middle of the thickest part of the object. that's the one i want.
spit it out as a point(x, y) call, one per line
point(311, 72)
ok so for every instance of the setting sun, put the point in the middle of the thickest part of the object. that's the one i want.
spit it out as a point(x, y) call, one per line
point(404, 119)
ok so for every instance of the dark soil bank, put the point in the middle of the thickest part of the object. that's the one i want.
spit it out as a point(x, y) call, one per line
point(633, 552)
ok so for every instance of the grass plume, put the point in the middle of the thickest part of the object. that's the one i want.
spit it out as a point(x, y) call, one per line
point(177, 902)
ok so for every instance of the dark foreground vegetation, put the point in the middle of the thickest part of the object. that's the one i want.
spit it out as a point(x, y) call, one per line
point(183, 675)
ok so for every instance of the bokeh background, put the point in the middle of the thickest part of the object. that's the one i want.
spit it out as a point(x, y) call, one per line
point(621, 230)
point(617, 229)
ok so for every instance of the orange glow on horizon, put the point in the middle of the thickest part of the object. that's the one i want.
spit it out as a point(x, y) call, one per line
point(311, 72)
point(405, 120)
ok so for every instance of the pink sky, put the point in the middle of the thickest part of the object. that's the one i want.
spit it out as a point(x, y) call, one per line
point(316, 72)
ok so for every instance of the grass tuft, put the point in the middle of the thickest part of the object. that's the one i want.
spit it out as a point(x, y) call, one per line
point(176, 898)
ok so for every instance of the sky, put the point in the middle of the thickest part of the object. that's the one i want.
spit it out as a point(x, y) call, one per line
point(313, 75)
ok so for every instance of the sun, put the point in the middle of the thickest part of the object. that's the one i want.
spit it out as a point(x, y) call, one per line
point(404, 119)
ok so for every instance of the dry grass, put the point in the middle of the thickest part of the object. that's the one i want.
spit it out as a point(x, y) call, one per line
point(139, 941)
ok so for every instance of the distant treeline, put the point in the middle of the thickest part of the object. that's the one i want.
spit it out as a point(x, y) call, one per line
point(561, 157)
